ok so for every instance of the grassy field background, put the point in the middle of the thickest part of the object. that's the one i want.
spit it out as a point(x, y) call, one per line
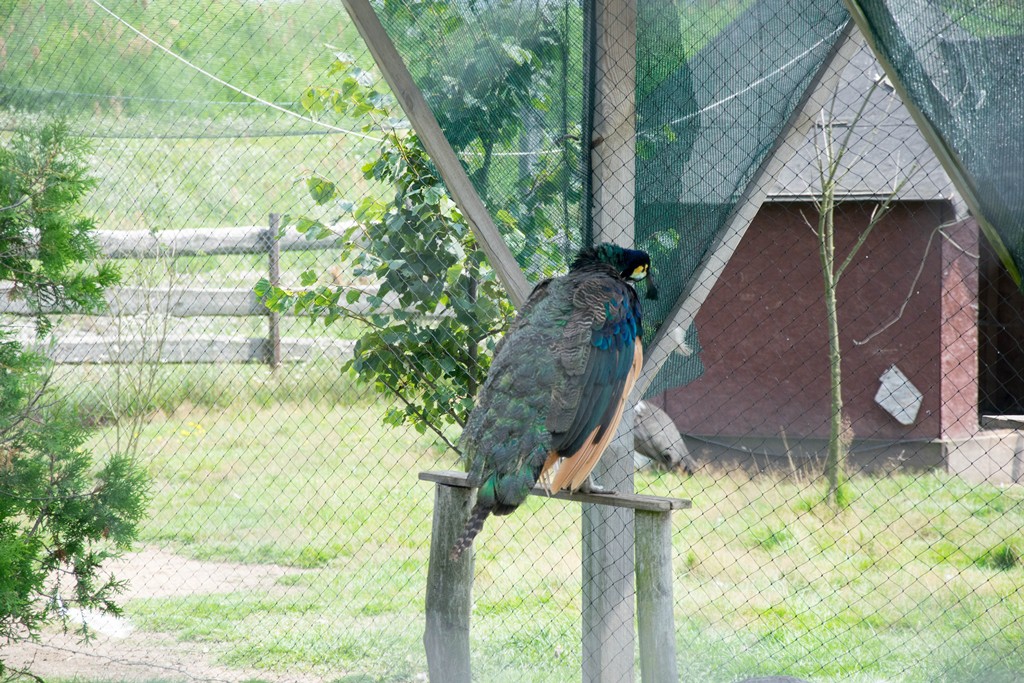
point(173, 148)
point(920, 579)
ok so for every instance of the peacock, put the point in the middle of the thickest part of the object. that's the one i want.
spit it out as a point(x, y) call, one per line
point(557, 386)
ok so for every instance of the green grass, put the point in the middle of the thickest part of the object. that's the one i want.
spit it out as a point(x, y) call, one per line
point(912, 582)
point(152, 184)
point(149, 183)
point(998, 18)
point(102, 393)
point(897, 586)
point(701, 22)
point(330, 491)
point(273, 49)
point(173, 148)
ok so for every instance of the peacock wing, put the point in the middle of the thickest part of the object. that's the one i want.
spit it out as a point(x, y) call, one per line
point(505, 439)
point(598, 358)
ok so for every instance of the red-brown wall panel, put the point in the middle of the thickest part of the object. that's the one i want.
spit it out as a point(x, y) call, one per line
point(763, 330)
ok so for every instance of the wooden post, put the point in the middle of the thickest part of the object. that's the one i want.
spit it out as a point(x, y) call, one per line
point(274, 263)
point(654, 602)
point(613, 152)
point(449, 585)
point(609, 600)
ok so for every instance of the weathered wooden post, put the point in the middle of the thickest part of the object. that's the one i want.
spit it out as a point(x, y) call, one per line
point(609, 602)
point(274, 318)
point(449, 589)
point(654, 602)
point(449, 583)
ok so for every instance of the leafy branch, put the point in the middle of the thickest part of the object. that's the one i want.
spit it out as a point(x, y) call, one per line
point(432, 317)
point(436, 304)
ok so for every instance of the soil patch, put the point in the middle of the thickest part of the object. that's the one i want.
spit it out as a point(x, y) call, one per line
point(120, 653)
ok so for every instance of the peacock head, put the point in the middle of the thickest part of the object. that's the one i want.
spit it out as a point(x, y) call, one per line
point(632, 264)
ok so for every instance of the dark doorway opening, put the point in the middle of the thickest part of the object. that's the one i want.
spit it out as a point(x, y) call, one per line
point(1000, 338)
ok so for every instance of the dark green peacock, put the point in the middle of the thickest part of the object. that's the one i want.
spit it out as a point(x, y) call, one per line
point(558, 384)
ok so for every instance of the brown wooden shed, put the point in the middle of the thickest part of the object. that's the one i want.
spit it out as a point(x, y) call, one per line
point(910, 300)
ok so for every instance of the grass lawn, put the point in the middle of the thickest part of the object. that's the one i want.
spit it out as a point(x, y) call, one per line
point(920, 579)
point(159, 184)
point(173, 148)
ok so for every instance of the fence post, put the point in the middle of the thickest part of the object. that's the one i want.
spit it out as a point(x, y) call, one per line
point(609, 594)
point(449, 585)
point(655, 620)
point(274, 263)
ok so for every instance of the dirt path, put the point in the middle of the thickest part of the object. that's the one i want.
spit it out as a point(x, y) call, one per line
point(121, 653)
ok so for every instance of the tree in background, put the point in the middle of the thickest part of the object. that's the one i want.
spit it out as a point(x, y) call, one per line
point(431, 326)
point(830, 154)
point(63, 513)
point(420, 251)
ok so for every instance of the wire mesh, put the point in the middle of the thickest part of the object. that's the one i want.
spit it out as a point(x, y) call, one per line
point(288, 536)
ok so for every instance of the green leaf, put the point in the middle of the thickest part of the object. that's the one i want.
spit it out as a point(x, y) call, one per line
point(506, 217)
point(320, 189)
point(453, 274)
point(352, 295)
point(433, 194)
point(517, 54)
point(344, 59)
point(303, 225)
point(310, 101)
point(396, 222)
point(307, 278)
point(286, 220)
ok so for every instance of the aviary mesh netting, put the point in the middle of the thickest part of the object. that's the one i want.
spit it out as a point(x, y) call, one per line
point(251, 153)
point(960, 62)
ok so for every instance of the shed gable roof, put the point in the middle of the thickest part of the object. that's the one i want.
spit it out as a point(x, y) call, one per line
point(885, 146)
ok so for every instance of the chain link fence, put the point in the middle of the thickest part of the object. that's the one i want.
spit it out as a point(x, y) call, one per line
point(756, 149)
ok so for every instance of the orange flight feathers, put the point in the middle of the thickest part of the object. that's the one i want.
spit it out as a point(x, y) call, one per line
point(570, 472)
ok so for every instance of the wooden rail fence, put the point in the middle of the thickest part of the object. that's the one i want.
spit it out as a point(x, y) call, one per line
point(190, 302)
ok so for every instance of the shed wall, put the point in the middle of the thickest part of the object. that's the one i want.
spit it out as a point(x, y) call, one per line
point(763, 331)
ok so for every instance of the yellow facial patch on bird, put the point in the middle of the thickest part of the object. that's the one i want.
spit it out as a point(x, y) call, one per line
point(640, 272)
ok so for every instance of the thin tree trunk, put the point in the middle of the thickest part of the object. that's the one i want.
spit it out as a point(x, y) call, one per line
point(472, 348)
point(835, 460)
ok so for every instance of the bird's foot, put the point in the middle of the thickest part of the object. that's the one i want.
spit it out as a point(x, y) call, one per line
point(591, 486)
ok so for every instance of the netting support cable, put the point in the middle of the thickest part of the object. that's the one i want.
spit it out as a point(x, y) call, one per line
point(229, 86)
point(763, 79)
point(821, 87)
